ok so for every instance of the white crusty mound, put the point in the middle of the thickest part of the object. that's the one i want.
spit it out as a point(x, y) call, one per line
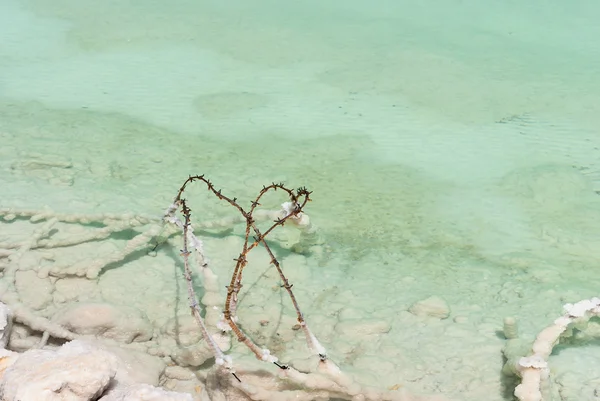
point(121, 323)
point(75, 372)
point(81, 371)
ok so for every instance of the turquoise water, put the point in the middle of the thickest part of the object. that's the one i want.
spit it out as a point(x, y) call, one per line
point(452, 147)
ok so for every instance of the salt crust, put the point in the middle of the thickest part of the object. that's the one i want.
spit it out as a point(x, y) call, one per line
point(79, 371)
point(434, 307)
point(122, 323)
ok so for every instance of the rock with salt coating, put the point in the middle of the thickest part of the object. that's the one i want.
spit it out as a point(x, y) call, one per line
point(362, 327)
point(431, 307)
point(74, 372)
point(121, 323)
point(144, 392)
point(134, 366)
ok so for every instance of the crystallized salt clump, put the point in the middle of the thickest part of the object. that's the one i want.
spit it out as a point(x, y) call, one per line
point(77, 372)
point(580, 308)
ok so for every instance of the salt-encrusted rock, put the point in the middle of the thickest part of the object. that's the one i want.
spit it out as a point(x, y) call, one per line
point(144, 392)
point(75, 289)
point(362, 327)
point(135, 367)
point(183, 329)
point(34, 292)
point(179, 373)
point(431, 307)
point(182, 340)
point(120, 323)
point(199, 353)
point(75, 372)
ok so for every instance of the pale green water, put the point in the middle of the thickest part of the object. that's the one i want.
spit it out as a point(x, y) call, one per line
point(454, 141)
